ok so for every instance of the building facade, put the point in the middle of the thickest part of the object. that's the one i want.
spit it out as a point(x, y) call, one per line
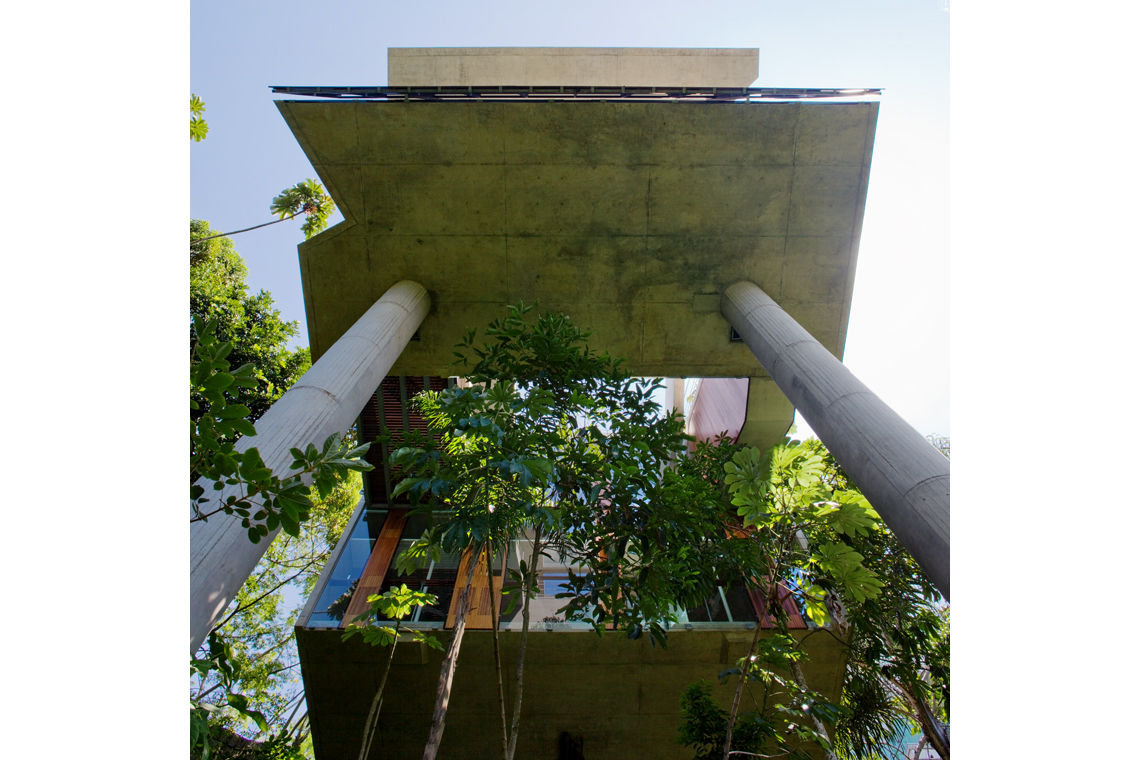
point(696, 226)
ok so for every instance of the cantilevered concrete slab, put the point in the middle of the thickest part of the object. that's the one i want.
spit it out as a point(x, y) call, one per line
point(629, 67)
point(630, 217)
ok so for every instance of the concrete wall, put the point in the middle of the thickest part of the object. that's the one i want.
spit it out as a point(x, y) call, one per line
point(628, 67)
point(622, 697)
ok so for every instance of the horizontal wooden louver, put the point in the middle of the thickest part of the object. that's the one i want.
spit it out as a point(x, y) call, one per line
point(392, 409)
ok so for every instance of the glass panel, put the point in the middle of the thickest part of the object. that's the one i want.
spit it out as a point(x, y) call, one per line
point(739, 605)
point(437, 578)
point(727, 604)
point(552, 576)
point(334, 597)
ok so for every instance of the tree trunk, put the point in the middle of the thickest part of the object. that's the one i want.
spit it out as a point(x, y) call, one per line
point(931, 728)
point(739, 690)
point(374, 709)
point(517, 713)
point(798, 675)
point(495, 647)
point(447, 670)
point(797, 672)
point(247, 229)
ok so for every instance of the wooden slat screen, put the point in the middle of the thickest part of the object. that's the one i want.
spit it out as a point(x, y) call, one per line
point(391, 409)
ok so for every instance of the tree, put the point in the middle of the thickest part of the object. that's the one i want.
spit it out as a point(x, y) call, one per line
point(306, 197)
point(240, 364)
point(258, 629)
point(248, 321)
point(799, 526)
point(244, 666)
point(821, 544)
point(553, 439)
point(898, 674)
point(394, 604)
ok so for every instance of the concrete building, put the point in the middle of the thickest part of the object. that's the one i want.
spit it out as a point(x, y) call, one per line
point(664, 205)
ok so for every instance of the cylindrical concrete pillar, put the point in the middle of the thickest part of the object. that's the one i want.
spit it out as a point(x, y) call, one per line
point(905, 478)
point(326, 400)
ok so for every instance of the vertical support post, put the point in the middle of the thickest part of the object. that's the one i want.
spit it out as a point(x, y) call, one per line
point(325, 401)
point(905, 478)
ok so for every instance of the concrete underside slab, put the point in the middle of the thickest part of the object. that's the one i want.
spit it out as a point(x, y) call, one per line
point(629, 217)
point(621, 697)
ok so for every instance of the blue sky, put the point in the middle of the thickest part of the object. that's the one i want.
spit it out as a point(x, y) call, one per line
point(898, 340)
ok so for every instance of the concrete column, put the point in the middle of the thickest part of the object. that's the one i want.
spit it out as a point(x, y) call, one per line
point(905, 478)
point(326, 400)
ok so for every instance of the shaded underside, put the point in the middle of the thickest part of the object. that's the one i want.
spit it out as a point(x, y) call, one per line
point(630, 217)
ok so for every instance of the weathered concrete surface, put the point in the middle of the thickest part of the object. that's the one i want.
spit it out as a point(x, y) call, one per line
point(632, 218)
point(621, 696)
point(326, 400)
point(598, 67)
point(905, 478)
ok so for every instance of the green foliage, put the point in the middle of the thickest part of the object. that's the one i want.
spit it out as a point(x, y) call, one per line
point(804, 518)
point(554, 436)
point(218, 662)
point(899, 658)
point(263, 500)
point(198, 126)
point(250, 323)
point(895, 621)
point(844, 566)
point(394, 604)
point(308, 197)
point(808, 527)
point(703, 724)
point(258, 628)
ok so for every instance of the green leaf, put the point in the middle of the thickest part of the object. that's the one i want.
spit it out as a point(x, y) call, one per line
point(198, 129)
point(241, 704)
point(233, 411)
point(851, 519)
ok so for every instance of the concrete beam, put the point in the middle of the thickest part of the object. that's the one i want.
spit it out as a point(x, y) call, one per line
point(905, 478)
point(325, 401)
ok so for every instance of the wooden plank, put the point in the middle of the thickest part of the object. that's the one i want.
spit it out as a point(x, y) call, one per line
point(480, 599)
point(372, 577)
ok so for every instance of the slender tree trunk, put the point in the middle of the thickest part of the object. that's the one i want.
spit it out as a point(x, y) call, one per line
point(495, 647)
point(781, 616)
point(533, 574)
point(798, 675)
point(299, 739)
point(289, 726)
point(247, 229)
point(374, 709)
point(447, 669)
point(739, 691)
point(933, 730)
